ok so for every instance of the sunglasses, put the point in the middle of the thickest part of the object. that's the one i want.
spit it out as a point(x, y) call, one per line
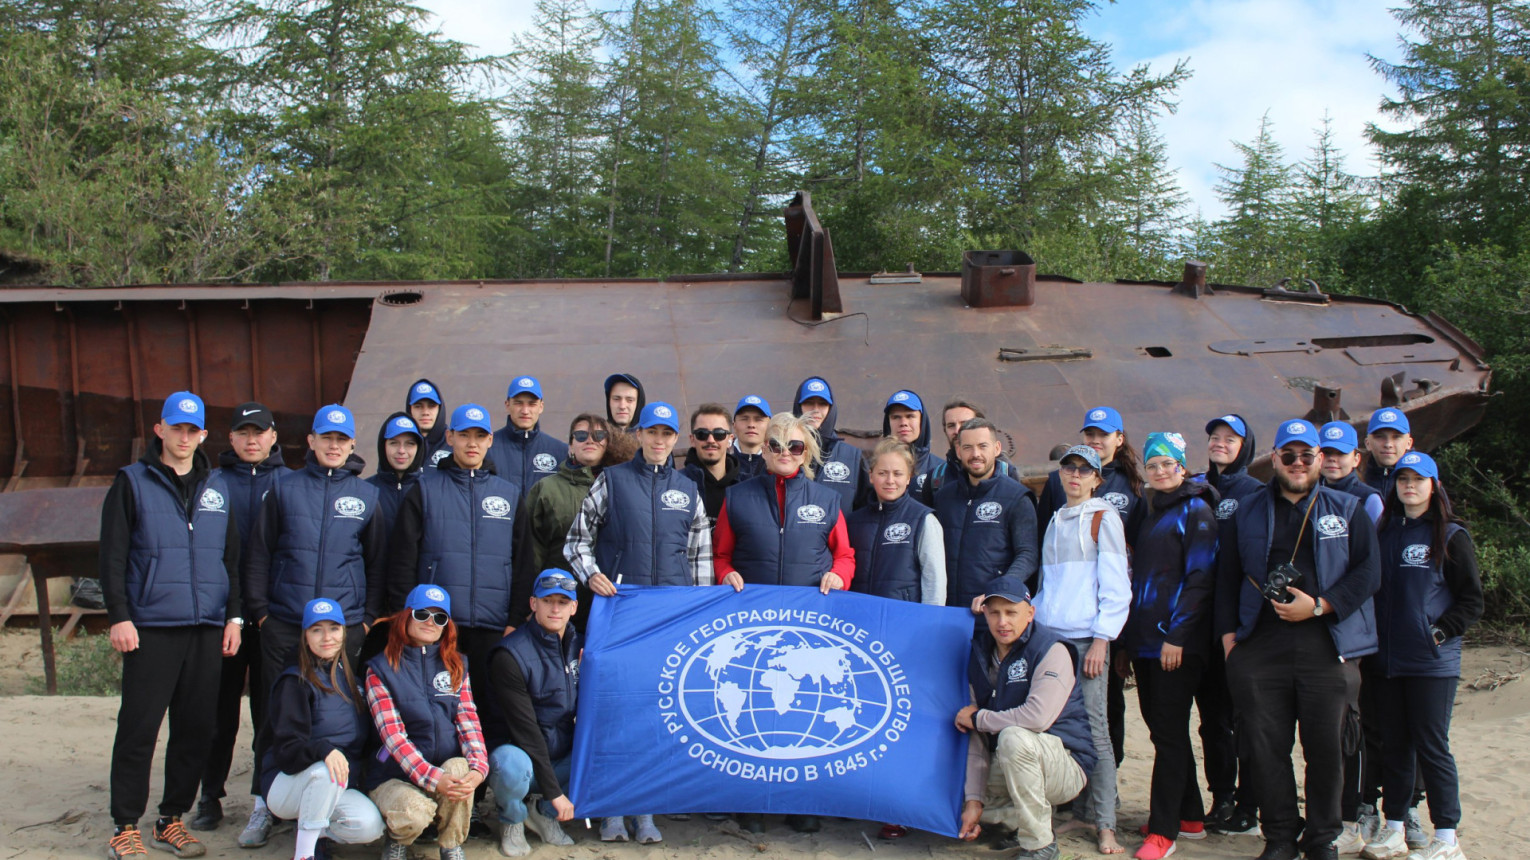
point(566, 583)
point(1076, 469)
point(440, 618)
point(586, 435)
point(796, 447)
point(1289, 458)
point(717, 435)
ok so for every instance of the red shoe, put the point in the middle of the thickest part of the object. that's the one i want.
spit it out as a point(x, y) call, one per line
point(893, 831)
point(1192, 830)
point(1155, 848)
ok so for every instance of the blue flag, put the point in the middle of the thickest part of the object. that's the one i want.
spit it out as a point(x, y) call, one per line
point(772, 699)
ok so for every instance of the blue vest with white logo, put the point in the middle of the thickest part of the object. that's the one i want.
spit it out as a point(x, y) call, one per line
point(423, 696)
point(318, 546)
point(772, 553)
point(1014, 687)
point(551, 668)
point(886, 536)
point(332, 718)
point(649, 510)
point(841, 471)
point(175, 574)
point(247, 486)
point(524, 457)
point(1329, 525)
point(469, 530)
point(1412, 598)
point(975, 521)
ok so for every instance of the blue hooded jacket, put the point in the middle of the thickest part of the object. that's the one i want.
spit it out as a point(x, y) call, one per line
point(843, 469)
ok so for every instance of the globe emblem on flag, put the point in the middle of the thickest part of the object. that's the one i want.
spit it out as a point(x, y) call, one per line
point(784, 692)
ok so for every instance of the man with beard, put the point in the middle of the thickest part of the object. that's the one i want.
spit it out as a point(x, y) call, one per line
point(1298, 567)
point(709, 462)
point(989, 520)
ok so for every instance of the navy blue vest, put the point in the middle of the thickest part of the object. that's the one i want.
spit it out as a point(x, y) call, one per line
point(1413, 596)
point(524, 457)
point(1014, 687)
point(843, 470)
point(391, 490)
point(1234, 489)
point(331, 718)
point(318, 545)
point(466, 549)
point(175, 574)
point(749, 466)
point(768, 552)
point(975, 521)
point(925, 486)
point(886, 537)
point(1352, 484)
point(422, 693)
point(649, 510)
point(247, 485)
point(551, 668)
point(1329, 525)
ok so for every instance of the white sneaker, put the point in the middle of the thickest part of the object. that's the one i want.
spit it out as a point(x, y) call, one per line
point(613, 829)
point(1437, 850)
point(257, 831)
point(512, 840)
point(1391, 844)
point(1413, 831)
point(646, 832)
point(1349, 841)
point(547, 828)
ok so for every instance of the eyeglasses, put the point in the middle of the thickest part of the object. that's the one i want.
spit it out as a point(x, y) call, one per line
point(566, 583)
point(1289, 458)
point(423, 615)
point(1162, 466)
point(796, 447)
point(1079, 469)
point(717, 434)
point(586, 435)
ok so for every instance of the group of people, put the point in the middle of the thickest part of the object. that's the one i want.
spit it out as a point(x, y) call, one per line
point(410, 640)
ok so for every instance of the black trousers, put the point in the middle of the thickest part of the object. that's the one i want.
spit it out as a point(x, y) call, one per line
point(1287, 677)
point(1115, 705)
point(1363, 769)
point(1416, 735)
point(1165, 699)
point(231, 687)
point(278, 647)
point(174, 669)
point(1219, 740)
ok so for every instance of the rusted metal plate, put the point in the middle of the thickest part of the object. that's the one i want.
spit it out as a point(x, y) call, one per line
point(42, 520)
point(1417, 354)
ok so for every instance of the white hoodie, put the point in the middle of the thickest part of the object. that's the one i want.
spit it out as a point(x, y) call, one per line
point(1085, 590)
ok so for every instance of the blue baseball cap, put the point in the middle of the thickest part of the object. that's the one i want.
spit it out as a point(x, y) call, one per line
point(524, 385)
point(815, 386)
point(1011, 588)
point(425, 595)
point(470, 415)
point(322, 609)
point(556, 581)
point(659, 414)
point(423, 390)
point(752, 401)
point(1233, 422)
point(1296, 430)
point(183, 407)
point(1339, 436)
point(334, 418)
point(1103, 418)
point(1418, 461)
point(1388, 419)
point(401, 425)
point(1090, 456)
point(906, 399)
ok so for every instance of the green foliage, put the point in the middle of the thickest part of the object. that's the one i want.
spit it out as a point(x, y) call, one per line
point(86, 665)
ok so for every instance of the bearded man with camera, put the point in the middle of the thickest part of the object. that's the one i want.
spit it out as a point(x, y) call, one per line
point(1297, 567)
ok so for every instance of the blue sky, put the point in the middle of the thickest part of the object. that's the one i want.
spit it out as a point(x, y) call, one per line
point(1296, 59)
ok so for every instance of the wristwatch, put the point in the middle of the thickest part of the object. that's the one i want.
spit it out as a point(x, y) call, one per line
point(1437, 635)
point(237, 620)
point(1317, 606)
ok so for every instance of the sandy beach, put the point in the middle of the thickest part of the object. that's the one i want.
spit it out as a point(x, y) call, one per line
point(55, 752)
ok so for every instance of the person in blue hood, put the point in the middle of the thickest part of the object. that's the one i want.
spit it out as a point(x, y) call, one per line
point(844, 469)
point(427, 407)
point(522, 453)
point(904, 419)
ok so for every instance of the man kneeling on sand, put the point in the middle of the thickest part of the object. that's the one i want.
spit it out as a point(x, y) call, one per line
point(1030, 745)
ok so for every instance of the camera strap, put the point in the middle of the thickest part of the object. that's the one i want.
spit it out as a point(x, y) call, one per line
point(1311, 502)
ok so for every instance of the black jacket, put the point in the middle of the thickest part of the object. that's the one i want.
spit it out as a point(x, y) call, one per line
point(713, 490)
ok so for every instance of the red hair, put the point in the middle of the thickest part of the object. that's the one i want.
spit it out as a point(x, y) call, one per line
point(398, 640)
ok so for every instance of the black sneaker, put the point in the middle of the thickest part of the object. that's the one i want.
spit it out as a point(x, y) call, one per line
point(1241, 823)
point(1279, 851)
point(804, 823)
point(1222, 811)
point(209, 814)
point(751, 822)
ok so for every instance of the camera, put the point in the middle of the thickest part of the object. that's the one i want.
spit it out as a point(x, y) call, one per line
point(1278, 582)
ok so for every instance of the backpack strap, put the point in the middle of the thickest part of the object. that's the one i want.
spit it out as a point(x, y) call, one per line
point(1094, 525)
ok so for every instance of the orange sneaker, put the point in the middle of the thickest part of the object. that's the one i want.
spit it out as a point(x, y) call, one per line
point(127, 843)
point(1155, 847)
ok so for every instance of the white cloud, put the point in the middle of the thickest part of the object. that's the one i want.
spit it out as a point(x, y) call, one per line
point(1296, 60)
point(490, 26)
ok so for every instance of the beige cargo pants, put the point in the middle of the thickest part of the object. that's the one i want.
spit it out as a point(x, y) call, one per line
point(1031, 772)
point(407, 810)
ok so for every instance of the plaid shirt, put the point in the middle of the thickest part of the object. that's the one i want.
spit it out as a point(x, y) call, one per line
point(390, 726)
point(579, 548)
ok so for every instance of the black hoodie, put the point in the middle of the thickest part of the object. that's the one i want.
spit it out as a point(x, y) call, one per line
point(435, 438)
point(713, 490)
point(854, 486)
point(392, 484)
point(642, 399)
point(923, 461)
point(1234, 481)
point(119, 516)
